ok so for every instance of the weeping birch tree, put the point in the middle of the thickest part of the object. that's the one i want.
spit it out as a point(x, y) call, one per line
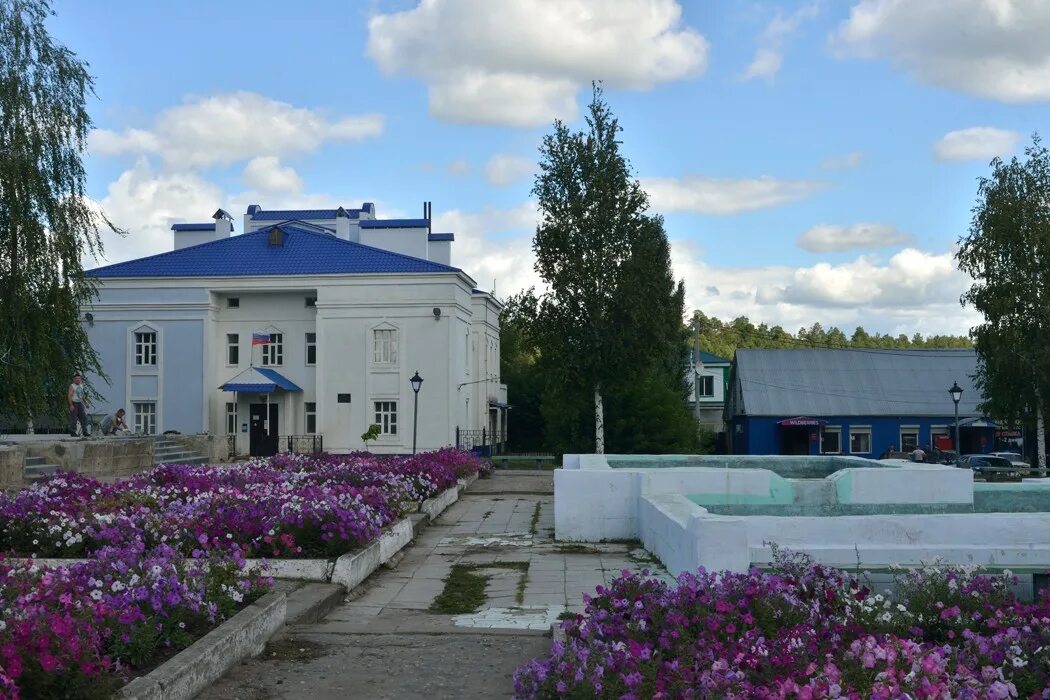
point(47, 224)
point(612, 314)
point(1007, 252)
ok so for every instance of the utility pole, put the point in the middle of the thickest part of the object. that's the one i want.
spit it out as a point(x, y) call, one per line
point(696, 368)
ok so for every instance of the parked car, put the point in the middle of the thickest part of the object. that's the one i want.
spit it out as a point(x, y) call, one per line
point(1015, 459)
point(991, 467)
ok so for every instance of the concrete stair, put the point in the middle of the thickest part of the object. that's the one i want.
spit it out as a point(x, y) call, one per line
point(170, 452)
point(37, 468)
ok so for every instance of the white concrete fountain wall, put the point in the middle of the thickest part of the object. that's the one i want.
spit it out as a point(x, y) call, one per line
point(594, 502)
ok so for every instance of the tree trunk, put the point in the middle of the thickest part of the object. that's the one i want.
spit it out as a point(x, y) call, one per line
point(599, 422)
point(1040, 435)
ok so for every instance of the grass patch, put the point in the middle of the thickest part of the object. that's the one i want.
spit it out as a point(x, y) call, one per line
point(486, 514)
point(629, 542)
point(566, 615)
point(535, 518)
point(574, 548)
point(464, 590)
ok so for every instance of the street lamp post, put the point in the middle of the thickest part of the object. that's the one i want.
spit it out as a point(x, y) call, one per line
point(956, 393)
point(416, 381)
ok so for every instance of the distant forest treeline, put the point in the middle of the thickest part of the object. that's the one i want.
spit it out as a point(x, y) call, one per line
point(722, 338)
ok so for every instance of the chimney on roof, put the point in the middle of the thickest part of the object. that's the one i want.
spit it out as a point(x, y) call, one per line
point(223, 224)
point(427, 211)
point(342, 224)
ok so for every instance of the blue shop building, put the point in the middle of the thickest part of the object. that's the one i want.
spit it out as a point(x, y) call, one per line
point(856, 402)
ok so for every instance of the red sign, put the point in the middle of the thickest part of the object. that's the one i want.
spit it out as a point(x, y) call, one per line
point(1007, 433)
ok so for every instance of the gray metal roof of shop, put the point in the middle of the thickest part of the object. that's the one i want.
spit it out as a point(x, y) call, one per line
point(818, 382)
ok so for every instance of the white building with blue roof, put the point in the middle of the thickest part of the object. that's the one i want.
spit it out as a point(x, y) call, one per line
point(344, 309)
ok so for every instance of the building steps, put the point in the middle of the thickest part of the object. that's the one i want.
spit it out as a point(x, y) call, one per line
point(170, 452)
point(36, 468)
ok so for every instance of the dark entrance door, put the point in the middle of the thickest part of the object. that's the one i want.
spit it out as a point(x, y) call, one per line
point(259, 443)
point(794, 440)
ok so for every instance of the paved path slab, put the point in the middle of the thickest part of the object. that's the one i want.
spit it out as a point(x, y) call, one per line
point(383, 641)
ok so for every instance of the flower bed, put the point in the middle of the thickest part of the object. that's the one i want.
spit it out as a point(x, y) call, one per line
point(81, 630)
point(802, 631)
point(288, 506)
point(166, 555)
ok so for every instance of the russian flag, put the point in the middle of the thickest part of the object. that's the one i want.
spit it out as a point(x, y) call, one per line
point(259, 338)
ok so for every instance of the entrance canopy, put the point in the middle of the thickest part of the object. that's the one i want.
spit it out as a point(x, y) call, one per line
point(979, 422)
point(498, 404)
point(259, 380)
point(801, 421)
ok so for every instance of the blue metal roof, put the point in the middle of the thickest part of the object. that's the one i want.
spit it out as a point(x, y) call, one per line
point(260, 380)
point(303, 252)
point(441, 237)
point(259, 214)
point(193, 227)
point(855, 382)
point(394, 223)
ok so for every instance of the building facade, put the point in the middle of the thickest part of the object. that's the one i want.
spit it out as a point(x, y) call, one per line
point(708, 383)
point(311, 322)
point(853, 402)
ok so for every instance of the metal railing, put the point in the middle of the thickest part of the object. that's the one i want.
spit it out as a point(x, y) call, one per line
point(483, 442)
point(301, 444)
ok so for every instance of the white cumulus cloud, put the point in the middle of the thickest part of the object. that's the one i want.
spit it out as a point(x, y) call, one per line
point(267, 175)
point(990, 48)
point(521, 63)
point(503, 169)
point(826, 238)
point(227, 128)
point(769, 56)
point(707, 195)
point(976, 143)
point(846, 161)
point(913, 291)
point(146, 204)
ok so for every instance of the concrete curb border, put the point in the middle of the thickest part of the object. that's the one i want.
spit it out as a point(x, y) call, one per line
point(205, 661)
point(245, 634)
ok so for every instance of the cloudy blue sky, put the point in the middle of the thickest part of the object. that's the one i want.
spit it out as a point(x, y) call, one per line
point(815, 160)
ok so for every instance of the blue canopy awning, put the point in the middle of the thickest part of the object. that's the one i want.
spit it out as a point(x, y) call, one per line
point(259, 380)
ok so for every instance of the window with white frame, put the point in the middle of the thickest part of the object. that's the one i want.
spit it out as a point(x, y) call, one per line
point(909, 437)
point(233, 302)
point(233, 349)
point(146, 348)
point(831, 440)
point(466, 351)
point(145, 417)
point(860, 440)
point(231, 417)
point(310, 411)
point(311, 348)
point(706, 385)
point(384, 346)
point(386, 417)
point(273, 352)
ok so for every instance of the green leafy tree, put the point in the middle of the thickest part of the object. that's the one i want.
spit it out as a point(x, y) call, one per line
point(521, 370)
point(723, 338)
point(613, 311)
point(47, 224)
point(1007, 253)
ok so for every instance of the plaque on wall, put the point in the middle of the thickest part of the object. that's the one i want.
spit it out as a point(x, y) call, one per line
point(342, 398)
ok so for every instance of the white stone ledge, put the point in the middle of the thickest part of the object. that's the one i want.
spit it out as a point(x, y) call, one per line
point(205, 661)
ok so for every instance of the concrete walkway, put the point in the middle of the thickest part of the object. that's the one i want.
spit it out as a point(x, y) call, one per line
point(383, 642)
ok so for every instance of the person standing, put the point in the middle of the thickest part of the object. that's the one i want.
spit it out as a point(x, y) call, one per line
point(77, 407)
